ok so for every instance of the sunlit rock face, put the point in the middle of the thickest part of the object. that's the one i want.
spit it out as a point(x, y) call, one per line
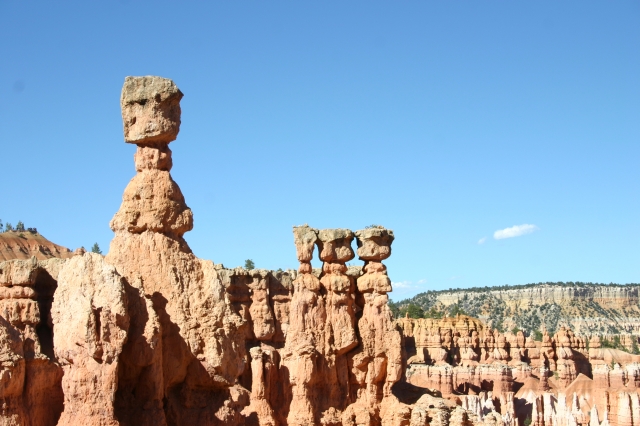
point(91, 316)
point(553, 382)
point(180, 359)
point(150, 110)
point(151, 335)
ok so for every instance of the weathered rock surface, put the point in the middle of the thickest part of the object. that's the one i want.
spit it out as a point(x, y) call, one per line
point(152, 335)
point(556, 381)
point(183, 352)
point(31, 377)
point(587, 309)
point(90, 312)
point(25, 245)
point(150, 110)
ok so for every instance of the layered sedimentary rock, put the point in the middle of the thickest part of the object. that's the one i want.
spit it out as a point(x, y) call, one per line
point(326, 374)
point(91, 318)
point(28, 244)
point(31, 377)
point(587, 309)
point(376, 364)
point(553, 382)
point(152, 335)
point(183, 352)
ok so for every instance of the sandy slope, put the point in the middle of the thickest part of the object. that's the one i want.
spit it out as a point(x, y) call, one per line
point(24, 245)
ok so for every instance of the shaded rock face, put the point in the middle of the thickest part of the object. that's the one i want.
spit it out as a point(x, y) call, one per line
point(31, 378)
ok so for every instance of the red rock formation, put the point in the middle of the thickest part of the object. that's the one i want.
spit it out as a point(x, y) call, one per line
point(183, 352)
point(376, 364)
point(566, 396)
point(335, 251)
point(150, 110)
point(25, 245)
point(548, 352)
point(90, 308)
point(31, 378)
point(566, 366)
point(152, 335)
point(305, 340)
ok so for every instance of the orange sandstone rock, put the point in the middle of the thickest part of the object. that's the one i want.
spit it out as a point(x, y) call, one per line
point(183, 353)
point(150, 110)
point(90, 312)
point(152, 335)
point(24, 245)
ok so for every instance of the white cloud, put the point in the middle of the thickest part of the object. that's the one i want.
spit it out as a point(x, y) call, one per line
point(408, 284)
point(482, 240)
point(514, 231)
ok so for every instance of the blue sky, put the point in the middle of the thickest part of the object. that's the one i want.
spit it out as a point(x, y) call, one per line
point(444, 121)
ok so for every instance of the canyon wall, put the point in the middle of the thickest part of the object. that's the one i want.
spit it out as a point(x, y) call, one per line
point(563, 379)
point(588, 309)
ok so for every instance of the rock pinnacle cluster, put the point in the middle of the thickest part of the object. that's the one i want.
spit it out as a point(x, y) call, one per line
point(150, 335)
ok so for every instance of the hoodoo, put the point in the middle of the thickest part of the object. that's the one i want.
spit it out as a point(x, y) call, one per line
point(183, 353)
point(150, 335)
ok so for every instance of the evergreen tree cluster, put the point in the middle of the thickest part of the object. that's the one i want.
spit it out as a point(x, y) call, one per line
point(8, 227)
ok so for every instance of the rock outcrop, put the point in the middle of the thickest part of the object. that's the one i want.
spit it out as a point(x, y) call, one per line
point(183, 352)
point(31, 376)
point(90, 311)
point(587, 309)
point(152, 335)
point(28, 244)
point(553, 382)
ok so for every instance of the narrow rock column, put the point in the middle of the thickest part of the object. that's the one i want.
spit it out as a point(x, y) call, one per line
point(261, 313)
point(340, 329)
point(305, 337)
point(307, 315)
point(259, 407)
point(548, 352)
point(152, 201)
point(335, 251)
point(488, 345)
point(500, 353)
point(185, 346)
point(543, 384)
point(377, 362)
point(537, 417)
point(625, 415)
point(466, 353)
point(593, 416)
point(596, 355)
point(566, 365)
point(532, 354)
